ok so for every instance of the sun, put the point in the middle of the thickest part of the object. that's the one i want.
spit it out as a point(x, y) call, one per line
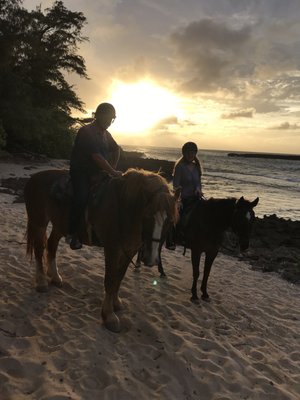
point(141, 105)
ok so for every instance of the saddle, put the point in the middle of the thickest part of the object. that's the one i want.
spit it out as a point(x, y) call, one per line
point(178, 234)
point(182, 228)
point(62, 191)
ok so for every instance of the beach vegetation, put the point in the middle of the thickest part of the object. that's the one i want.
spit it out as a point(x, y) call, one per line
point(38, 49)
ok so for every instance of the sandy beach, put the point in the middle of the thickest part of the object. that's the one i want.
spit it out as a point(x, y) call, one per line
point(244, 344)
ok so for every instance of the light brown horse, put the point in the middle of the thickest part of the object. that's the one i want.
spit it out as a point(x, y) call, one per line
point(132, 210)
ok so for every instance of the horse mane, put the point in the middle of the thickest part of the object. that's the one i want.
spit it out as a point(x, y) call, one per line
point(146, 189)
point(223, 203)
point(213, 213)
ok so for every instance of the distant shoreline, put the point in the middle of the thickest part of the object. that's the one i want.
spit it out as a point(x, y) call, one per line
point(135, 159)
point(266, 155)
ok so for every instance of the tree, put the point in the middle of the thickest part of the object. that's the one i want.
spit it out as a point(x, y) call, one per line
point(36, 101)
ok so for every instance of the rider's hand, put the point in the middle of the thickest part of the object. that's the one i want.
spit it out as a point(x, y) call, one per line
point(198, 193)
point(117, 173)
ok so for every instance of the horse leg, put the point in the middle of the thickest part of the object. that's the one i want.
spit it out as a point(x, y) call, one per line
point(39, 241)
point(111, 321)
point(138, 263)
point(196, 255)
point(111, 286)
point(117, 302)
point(160, 266)
point(209, 259)
point(52, 245)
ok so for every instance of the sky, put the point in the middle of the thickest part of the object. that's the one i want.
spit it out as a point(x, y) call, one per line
point(222, 73)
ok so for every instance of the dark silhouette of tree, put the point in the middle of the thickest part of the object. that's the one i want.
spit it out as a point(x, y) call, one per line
point(37, 49)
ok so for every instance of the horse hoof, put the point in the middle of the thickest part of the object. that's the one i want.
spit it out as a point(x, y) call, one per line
point(42, 288)
point(57, 283)
point(113, 324)
point(205, 298)
point(137, 269)
point(163, 275)
point(195, 300)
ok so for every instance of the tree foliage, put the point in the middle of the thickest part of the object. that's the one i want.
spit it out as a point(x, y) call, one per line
point(38, 48)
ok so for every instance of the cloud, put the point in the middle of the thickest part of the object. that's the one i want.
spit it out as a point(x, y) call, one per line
point(247, 113)
point(207, 33)
point(138, 68)
point(187, 122)
point(264, 106)
point(164, 123)
point(206, 49)
point(285, 126)
point(253, 57)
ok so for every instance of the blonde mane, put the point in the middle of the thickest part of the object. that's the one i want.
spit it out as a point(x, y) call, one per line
point(149, 190)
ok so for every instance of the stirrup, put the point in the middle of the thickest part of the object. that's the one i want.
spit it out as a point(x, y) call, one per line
point(68, 239)
point(171, 246)
point(75, 244)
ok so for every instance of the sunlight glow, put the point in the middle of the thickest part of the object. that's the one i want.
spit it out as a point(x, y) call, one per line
point(139, 106)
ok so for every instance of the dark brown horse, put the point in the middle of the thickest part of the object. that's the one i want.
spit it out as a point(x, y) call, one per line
point(204, 231)
point(120, 223)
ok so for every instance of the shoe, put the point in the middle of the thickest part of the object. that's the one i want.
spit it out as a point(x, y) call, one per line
point(75, 244)
point(68, 239)
point(171, 247)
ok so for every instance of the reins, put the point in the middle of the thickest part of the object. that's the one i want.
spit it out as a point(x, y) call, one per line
point(131, 259)
point(153, 239)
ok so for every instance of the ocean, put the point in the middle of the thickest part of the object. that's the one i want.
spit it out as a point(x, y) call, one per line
point(275, 181)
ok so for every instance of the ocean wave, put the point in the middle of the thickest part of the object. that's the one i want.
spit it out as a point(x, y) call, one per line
point(266, 182)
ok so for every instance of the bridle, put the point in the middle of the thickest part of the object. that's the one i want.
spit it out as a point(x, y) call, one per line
point(242, 228)
point(155, 240)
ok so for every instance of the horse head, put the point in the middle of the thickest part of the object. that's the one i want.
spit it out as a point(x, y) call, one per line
point(242, 221)
point(160, 212)
point(152, 233)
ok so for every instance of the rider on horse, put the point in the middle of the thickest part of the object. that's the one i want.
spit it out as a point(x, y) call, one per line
point(94, 150)
point(186, 176)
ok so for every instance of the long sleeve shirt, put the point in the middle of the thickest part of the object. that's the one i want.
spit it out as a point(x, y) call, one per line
point(188, 179)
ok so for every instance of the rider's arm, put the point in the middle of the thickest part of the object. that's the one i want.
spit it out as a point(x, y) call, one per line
point(115, 155)
point(177, 177)
point(198, 191)
point(105, 165)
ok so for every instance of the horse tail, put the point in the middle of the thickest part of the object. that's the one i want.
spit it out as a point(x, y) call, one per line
point(34, 235)
point(34, 194)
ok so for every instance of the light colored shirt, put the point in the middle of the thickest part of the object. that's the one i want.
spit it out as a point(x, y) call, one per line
point(188, 179)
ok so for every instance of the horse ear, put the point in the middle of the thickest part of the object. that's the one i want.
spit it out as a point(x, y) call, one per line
point(255, 202)
point(177, 193)
point(240, 200)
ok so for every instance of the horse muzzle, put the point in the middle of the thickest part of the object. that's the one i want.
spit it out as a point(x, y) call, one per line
point(149, 260)
point(150, 256)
